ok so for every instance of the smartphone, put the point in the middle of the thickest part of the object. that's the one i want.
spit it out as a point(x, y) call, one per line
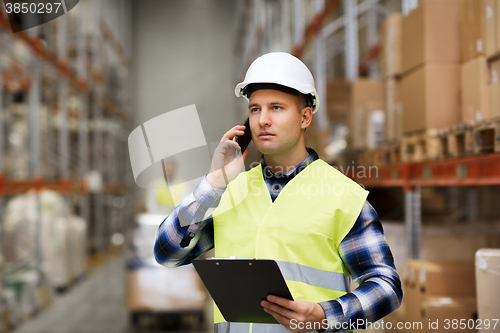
point(244, 140)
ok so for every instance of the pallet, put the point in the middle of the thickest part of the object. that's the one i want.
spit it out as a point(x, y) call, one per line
point(458, 140)
point(365, 157)
point(424, 145)
point(392, 152)
point(486, 136)
point(388, 153)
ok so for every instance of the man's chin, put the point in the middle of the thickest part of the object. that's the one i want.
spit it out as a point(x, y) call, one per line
point(268, 150)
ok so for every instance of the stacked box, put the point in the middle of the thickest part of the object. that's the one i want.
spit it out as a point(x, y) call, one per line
point(391, 66)
point(494, 78)
point(394, 109)
point(431, 97)
point(367, 96)
point(431, 57)
point(478, 41)
point(438, 291)
point(431, 34)
point(473, 29)
point(491, 11)
point(475, 90)
point(438, 313)
point(337, 100)
point(390, 45)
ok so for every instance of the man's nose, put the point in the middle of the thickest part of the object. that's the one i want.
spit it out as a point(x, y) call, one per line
point(265, 117)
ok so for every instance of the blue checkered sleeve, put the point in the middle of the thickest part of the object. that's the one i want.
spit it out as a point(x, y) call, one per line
point(195, 209)
point(368, 258)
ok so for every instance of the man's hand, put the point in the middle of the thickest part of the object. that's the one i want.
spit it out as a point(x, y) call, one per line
point(227, 162)
point(295, 315)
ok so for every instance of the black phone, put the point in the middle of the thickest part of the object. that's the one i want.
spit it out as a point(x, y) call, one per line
point(244, 140)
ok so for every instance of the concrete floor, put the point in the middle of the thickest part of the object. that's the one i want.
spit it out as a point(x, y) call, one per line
point(96, 305)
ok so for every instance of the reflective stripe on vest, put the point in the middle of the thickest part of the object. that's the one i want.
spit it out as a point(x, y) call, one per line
point(226, 327)
point(314, 277)
point(301, 230)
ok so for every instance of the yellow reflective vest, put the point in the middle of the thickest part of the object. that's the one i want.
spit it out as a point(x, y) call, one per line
point(168, 196)
point(301, 230)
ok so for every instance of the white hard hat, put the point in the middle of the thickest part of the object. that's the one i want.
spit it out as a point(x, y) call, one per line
point(283, 69)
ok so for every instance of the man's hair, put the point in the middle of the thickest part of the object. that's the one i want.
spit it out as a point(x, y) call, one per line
point(303, 101)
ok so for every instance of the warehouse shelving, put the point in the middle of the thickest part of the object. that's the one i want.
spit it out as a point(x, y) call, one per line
point(85, 129)
point(467, 171)
point(318, 37)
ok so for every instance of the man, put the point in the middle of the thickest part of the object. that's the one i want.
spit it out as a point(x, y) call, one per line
point(296, 209)
point(160, 198)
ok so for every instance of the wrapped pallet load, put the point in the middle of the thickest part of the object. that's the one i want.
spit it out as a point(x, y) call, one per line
point(77, 245)
point(152, 288)
point(62, 240)
point(488, 288)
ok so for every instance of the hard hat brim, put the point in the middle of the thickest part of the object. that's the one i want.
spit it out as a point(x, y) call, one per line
point(240, 87)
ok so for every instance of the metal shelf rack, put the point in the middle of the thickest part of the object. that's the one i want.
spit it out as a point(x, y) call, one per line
point(87, 118)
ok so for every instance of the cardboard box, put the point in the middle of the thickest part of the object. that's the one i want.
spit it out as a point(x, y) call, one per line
point(497, 25)
point(473, 29)
point(365, 91)
point(476, 99)
point(488, 285)
point(357, 130)
point(490, 7)
point(390, 45)
point(394, 109)
point(431, 97)
point(431, 33)
point(337, 100)
point(366, 95)
point(165, 290)
point(452, 247)
point(495, 87)
point(425, 281)
point(442, 279)
point(412, 297)
point(438, 313)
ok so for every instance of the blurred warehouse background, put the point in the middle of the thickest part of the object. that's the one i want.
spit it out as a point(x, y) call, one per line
point(410, 97)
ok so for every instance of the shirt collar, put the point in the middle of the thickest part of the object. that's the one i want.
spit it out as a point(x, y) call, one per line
point(313, 156)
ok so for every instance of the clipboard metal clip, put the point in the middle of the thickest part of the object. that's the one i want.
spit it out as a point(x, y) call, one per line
point(230, 258)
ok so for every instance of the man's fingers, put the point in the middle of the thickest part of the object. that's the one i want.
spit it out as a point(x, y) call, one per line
point(285, 303)
point(278, 309)
point(233, 132)
point(282, 320)
point(223, 146)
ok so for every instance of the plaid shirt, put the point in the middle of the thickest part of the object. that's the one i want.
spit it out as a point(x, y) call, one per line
point(364, 251)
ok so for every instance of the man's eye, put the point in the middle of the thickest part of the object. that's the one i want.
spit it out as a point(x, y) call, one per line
point(277, 107)
point(254, 110)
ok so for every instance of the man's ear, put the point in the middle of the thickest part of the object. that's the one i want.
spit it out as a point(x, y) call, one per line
point(306, 117)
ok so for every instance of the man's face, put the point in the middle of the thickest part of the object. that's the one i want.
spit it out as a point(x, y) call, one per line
point(275, 121)
point(170, 168)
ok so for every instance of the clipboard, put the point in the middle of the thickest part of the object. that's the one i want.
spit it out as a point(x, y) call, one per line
point(239, 285)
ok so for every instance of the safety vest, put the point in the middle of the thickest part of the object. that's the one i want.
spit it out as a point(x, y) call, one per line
point(167, 197)
point(301, 230)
